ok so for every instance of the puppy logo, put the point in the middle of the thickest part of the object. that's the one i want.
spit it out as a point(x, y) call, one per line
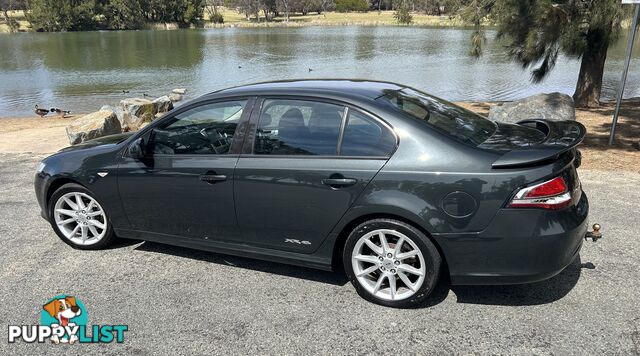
point(64, 320)
point(63, 314)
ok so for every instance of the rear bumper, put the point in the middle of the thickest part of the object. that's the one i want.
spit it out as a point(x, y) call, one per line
point(520, 246)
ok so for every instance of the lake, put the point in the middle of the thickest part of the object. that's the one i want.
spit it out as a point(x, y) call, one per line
point(83, 71)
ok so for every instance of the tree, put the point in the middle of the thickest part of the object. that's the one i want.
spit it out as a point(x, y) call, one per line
point(351, 5)
point(80, 15)
point(62, 15)
point(537, 31)
point(284, 6)
point(124, 14)
point(402, 14)
point(211, 8)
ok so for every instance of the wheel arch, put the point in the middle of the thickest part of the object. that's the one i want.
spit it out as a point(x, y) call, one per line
point(55, 185)
point(341, 239)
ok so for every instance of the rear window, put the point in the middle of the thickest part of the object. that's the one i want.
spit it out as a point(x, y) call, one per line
point(442, 115)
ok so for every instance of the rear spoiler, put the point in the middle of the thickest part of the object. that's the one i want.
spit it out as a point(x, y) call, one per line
point(562, 136)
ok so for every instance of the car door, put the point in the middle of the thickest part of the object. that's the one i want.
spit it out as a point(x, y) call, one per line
point(184, 184)
point(294, 181)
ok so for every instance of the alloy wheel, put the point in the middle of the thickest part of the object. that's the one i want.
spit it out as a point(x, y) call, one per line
point(388, 264)
point(80, 218)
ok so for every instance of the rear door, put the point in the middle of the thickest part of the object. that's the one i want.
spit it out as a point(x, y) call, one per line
point(304, 162)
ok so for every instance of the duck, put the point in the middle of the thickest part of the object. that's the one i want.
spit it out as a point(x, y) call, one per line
point(60, 112)
point(41, 112)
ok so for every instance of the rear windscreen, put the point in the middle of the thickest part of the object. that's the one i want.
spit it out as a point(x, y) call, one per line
point(442, 115)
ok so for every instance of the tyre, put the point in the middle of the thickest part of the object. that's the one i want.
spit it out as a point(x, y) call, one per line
point(391, 263)
point(78, 218)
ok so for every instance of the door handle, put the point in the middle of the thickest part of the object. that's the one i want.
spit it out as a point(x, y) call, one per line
point(213, 178)
point(339, 182)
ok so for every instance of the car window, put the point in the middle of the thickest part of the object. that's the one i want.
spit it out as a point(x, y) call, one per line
point(442, 115)
point(298, 127)
point(206, 129)
point(363, 136)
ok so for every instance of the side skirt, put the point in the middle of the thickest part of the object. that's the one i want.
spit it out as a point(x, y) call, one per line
point(291, 258)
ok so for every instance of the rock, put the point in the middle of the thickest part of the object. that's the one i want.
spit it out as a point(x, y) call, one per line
point(162, 104)
point(138, 107)
point(123, 116)
point(137, 122)
point(106, 107)
point(554, 107)
point(181, 91)
point(175, 97)
point(94, 125)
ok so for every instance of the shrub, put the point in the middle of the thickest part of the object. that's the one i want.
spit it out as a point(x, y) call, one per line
point(217, 18)
point(402, 14)
point(351, 5)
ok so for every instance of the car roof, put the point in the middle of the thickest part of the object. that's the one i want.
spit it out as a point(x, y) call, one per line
point(337, 87)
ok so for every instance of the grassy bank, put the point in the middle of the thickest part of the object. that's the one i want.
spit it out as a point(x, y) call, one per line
point(372, 18)
point(233, 18)
point(17, 15)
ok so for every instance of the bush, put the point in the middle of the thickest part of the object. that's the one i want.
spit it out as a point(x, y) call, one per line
point(62, 15)
point(352, 5)
point(402, 15)
point(217, 18)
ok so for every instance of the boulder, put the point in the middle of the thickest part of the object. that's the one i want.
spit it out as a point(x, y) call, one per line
point(94, 125)
point(554, 107)
point(180, 91)
point(135, 123)
point(162, 104)
point(138, 107)
point(175, 97)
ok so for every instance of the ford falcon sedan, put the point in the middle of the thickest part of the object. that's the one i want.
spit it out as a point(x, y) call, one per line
point(397, 187)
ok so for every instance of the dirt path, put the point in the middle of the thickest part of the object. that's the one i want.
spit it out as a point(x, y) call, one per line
point(37, 135)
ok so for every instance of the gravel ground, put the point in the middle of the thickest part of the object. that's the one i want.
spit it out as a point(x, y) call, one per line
point(182, 301)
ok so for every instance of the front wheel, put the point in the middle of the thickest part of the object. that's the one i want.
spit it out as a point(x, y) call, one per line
point(78, 218)
point(391, 263)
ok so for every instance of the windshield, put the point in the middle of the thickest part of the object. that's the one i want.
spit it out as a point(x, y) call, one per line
point(442, 115)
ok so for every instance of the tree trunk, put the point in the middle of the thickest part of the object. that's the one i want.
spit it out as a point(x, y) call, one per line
point(589, 84)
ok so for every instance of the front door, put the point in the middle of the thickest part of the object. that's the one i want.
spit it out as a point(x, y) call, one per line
point(184, 185)
point(304, 170)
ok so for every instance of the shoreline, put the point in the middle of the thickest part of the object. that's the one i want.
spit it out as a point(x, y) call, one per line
point(234, 19)
point(47, 135)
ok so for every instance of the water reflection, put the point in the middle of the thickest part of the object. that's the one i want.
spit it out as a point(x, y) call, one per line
point(82, 71)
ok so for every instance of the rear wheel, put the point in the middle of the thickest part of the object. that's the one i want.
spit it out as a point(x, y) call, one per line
point(78, 218)
point(391, 263)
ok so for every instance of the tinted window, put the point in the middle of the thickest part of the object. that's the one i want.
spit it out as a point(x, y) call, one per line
point(363, 136)
point(298, 127)
point(442, 115)
point(207, 129)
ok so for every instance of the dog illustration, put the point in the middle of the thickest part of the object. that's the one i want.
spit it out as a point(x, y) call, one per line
point(63, 309)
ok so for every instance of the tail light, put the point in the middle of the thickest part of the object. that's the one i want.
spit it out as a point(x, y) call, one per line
point(552, 194)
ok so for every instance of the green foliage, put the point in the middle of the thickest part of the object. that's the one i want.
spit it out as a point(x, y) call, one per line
point(351, 5)
point(62, 15)
point(81, 15)
point(402, 14)
point(124, 14)
point(537, 31)
point(217, 18)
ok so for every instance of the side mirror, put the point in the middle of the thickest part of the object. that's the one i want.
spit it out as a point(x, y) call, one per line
point(136, 149)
